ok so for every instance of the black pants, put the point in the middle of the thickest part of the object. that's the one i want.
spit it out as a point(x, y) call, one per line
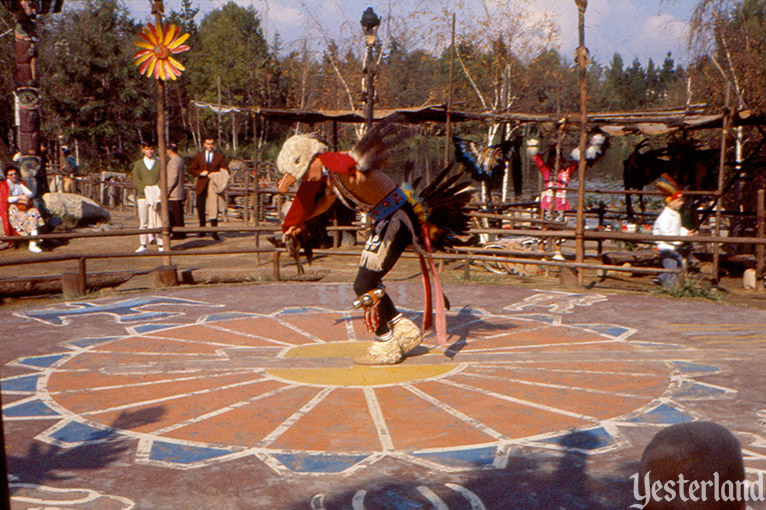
point(176, 217)
point(387, 242)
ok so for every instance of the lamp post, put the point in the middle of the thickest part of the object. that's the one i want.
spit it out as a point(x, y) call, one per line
point(370, 22)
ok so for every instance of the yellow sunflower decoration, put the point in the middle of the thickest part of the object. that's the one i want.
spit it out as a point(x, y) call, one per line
point(159, 44)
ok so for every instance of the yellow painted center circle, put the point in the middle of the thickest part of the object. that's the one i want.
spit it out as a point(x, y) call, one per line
point(354, 375)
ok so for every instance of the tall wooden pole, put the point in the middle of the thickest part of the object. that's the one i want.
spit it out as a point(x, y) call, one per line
point(583, 60)
point(157, 10)
point(369, 22)
point(448, 126)
point(721, 168)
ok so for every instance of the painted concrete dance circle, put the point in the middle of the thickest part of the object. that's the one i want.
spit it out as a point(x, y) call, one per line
point(283, 387)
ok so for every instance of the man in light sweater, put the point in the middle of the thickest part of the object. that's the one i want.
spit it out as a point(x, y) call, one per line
point(146, 180)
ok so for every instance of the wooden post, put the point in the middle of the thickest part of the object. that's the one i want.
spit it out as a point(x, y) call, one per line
point(275, 265)
point(759, 249)
point(157, 10)
point(719, 199)
point(166, 276)
point(448, 125)
point(256, 175)
point(5, 497)
point(582, 62)
point(467, 269)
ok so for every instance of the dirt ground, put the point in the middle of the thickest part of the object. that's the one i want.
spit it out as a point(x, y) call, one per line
point(258, 268)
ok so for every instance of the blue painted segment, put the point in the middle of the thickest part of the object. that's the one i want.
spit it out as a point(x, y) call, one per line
point(27, 383)
point(398, 497)
point(127, 311)
point(540, 317)
point(469, 458)
point(303, 309)
point(686, 367)
point(691, 390)
point(663, 414)
point(607, 329)
point(43, 361)
point(318, 463)
point(184, 454)
point(148, 328)
point(77, 433)
point(225, 316)
point(29, 409)
point(587, 440)
point(87, 342)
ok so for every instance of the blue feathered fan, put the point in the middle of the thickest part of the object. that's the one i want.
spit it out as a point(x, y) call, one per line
point(488, 163)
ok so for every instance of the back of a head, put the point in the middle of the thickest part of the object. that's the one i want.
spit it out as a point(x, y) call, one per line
point(699, 451)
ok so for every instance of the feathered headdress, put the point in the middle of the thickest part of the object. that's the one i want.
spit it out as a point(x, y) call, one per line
point(297, 152)
point(373, 150)
point(668, 187)
point(597, 145)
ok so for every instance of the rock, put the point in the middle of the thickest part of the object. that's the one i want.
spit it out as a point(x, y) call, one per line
point(749, 280)
point(75, 209)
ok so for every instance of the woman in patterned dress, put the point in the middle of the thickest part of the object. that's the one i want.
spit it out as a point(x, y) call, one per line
point(18, 215)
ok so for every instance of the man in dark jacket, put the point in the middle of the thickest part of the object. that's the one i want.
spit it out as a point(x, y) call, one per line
point(203, 164)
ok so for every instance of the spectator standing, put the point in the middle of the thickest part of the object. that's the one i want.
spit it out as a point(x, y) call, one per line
point(70, 168)
point(206, 162)
point(146, 179)
point(175, 170)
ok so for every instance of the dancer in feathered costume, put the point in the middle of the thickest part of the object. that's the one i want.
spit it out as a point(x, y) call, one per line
point(430, 219)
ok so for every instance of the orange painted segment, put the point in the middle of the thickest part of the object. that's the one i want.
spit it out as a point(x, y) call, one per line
point(266, 327)
point(539, 336)
point(611, 366)
point(509, 418)
point(414, 423)
point(460, 328)
point(72, 381)
point(95, 400)
point(604, 344)
point(248, 425)
point(571, 400)
point(154, 345)
point(341, 421)
point(643, 385)
point(328, 327)
point(202, 333)
point(113, 360)
point(154, 417)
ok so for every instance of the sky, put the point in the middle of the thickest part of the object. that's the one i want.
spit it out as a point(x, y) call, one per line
point(640, 29)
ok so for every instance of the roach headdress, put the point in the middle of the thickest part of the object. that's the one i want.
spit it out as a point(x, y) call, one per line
point(668, 187)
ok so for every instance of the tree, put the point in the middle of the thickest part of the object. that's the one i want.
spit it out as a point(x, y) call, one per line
point(7, 85)
point(730, 35)
point(91, 90)
point(232, 48)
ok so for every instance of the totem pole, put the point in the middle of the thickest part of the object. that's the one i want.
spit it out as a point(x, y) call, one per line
point(27, 92)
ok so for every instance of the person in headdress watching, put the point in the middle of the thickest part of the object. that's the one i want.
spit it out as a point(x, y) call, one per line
point(668, 223)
